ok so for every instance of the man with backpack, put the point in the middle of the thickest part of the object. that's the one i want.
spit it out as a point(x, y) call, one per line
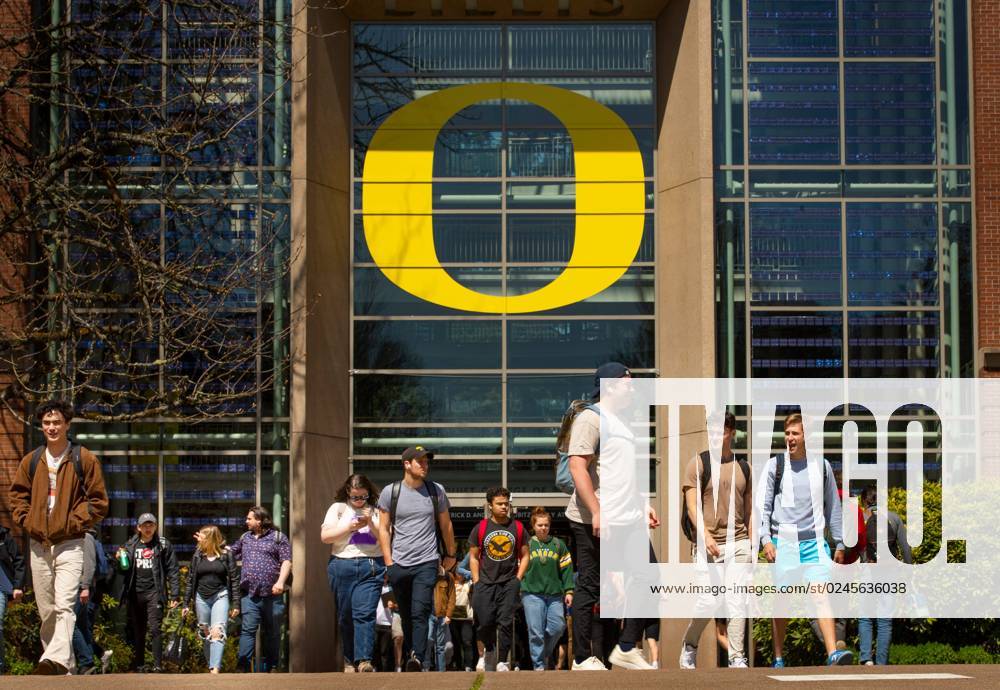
point(414, 524)
point(152, 583)
point(900, 548)
point(791, 531)
point(712, 520)
point(498, 560)
point(57, 495)
point(579, 451)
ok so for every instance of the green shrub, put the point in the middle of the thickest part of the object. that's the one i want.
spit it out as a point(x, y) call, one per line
point(927, 653)
point(971, 654)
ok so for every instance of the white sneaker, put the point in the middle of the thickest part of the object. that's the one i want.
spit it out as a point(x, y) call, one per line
point(655, 664)
point(738, 662)
point(106, 660)
point(502, 667)
point(689, 655)
point(591, 664)
point(632, 659)
point(481, 664)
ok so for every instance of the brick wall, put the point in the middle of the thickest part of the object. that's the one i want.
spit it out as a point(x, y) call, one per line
point(15, 119)
point(986, 81)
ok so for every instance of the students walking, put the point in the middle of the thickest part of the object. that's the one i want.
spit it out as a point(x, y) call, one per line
point(266, 556)
point(439, 632)
point(356, 569)
point(499, 559)
point(214, 587)
point(152, 582)
point(56, 496)
point(547, 589)
point(416, 536)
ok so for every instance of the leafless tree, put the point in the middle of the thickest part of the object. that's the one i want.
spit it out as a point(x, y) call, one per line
point(141, 265)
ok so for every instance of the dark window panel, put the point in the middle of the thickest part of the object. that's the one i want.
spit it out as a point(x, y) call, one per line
point(893, 344)
point(792, 28)
point(427, 344)
point(789, 345)
point(579, 344)
point(398, 398)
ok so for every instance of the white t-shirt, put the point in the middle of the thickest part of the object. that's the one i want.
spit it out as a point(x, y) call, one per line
point(53, 466)
point(355, 544)
point(584, 440)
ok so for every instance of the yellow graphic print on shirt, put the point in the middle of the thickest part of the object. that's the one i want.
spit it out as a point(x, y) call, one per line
point(499, 545)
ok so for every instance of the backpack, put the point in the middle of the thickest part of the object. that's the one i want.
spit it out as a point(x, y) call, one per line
point(518, 539)
point(103, 571)
point(564, 478)
point(779, 471)
point(394, 501)
point(74, 451)
point(689, 528)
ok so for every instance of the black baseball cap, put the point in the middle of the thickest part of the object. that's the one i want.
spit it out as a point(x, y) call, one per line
point(417, 452)
point(608, 370)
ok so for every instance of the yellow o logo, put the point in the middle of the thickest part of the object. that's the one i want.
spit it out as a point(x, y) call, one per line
point(398, 204)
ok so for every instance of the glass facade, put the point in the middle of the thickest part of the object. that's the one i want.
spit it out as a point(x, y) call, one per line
point(488, 390)
point(234, 196)
point(843, 188)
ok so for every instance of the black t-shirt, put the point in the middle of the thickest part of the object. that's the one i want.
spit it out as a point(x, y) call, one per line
point(211, 577)
point(498, 555)
point(145, 560)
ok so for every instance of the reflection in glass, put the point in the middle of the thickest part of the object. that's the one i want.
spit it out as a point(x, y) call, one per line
point(892, 254)
point(795, 254)
point(894, 344)
point(572, 344)
point(473, 238)
point(399, 398)
point(631, 295)
point(792, 28)
point(532, 440)
point(887, 28)
point(956, 257)
point(727, 78)
point(953, 33)
point(427, 344)
point(375, 98)
point(420, 48)
point(796, 345)
point(445, 441)
point(532, 398)
point(446, 196)
point(375, 295)
point(549, 237)
point(795, 184)
point(890, 183)
point(590, 47)
point(629, 97)
point(889, 112)
point(794, 113)
point(730, 306)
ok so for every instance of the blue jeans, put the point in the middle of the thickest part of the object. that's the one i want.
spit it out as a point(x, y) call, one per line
point(437, 640)
point(546, 622)
point(3, 612)
point(212, 615)
point(260, 611)
point(356, 584)
point(884, 626)
point(83, 634)
point(414, 589)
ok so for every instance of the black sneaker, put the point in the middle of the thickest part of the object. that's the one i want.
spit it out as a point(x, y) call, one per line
point(86, 670)
point(413, 664)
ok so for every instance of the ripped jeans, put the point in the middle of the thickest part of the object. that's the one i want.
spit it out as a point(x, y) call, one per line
point(212, 616)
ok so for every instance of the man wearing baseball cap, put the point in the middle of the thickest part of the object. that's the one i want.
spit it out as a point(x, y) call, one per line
point(152, 581)
point(416, 536)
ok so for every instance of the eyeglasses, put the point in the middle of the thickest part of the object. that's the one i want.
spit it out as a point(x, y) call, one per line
point(360, 498)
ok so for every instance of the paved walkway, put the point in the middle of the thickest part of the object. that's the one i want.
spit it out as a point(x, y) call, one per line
point(848, 678)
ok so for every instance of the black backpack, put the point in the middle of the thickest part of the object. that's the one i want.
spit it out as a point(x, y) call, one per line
point(394, 501)
point(779, 471)
point(689, 528)
point(74, 451)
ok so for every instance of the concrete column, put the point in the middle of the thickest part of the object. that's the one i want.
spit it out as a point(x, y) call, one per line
point(320, 284)
point(685, 259)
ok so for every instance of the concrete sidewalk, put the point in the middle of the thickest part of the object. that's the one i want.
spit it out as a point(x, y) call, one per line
point(820, 677)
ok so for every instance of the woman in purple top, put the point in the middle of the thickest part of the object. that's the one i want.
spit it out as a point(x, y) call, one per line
point(356, 569)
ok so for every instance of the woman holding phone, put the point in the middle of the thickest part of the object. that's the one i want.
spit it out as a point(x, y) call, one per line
point(356, 569)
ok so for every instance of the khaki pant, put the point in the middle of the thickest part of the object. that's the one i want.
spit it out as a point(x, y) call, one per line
point(55, 575)
point(730, 552)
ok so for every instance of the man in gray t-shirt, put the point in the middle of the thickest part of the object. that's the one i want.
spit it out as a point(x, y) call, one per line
point(409, 541)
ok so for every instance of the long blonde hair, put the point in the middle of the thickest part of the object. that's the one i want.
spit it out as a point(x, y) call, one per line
point(212, 542)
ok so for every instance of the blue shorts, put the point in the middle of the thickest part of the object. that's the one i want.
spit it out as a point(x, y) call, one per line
point(793, 568)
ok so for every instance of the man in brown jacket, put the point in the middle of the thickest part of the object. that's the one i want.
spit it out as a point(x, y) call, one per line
point(57, 494)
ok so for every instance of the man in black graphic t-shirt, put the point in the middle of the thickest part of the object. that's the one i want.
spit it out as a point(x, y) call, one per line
point(152, 581)
point(498, 559)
